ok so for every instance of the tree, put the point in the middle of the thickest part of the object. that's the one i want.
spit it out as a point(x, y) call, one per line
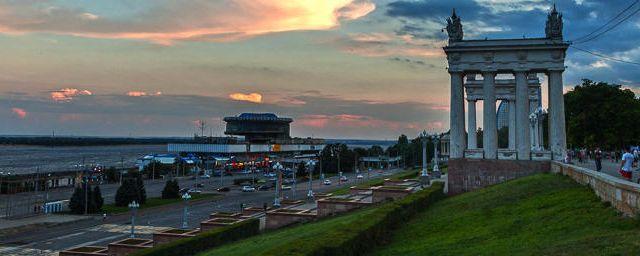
point(127, 193)
point(601, 115)
point(171, 190)
point(76, 203)
point(111, 174)
point(142, 192)
point(96, 200)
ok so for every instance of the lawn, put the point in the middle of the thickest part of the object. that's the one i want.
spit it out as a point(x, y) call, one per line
point(266, 243)
point(155, 202)
point(545, 214)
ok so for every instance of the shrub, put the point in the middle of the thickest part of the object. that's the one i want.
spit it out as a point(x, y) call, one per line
point(127, 193)
point(357, 237)
point(205, 241)
point(171, 190)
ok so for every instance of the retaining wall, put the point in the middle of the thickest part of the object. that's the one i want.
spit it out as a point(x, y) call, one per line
point(471, 174)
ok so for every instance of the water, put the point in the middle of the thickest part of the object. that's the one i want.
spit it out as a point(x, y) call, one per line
point(29, 159)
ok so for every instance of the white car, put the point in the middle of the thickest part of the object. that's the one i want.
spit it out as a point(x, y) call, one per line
point(359, 176)
point(344, 179)
point(206, 176)
point(248, 189)
point(327, 182)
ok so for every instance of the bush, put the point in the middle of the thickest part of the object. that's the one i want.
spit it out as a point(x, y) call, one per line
point(171, 190)
point(205, 241)
point(128, 192)
point(358, 237)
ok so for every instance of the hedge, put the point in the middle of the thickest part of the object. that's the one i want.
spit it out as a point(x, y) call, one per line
point(359, 237)
point(205, 241)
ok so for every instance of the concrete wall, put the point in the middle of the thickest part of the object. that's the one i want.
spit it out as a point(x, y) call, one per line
point(622, 194)
point(471, 174)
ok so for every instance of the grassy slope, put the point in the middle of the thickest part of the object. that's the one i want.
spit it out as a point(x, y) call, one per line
point(544, 214)
point(267, 242)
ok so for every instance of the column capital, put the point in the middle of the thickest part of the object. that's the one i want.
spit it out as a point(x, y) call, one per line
point(554, 70)
point(521, 70)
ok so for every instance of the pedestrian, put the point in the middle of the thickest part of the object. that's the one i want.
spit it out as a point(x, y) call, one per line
point(626, 165)
point(598, 158)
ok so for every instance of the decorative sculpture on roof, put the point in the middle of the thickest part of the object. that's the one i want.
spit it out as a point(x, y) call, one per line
point(553, 29)
point(454, 28)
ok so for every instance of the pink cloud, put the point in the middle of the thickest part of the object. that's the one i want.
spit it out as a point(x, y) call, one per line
point(142, 94)
point(250, 97)
point(194, 20)
point(67, 94)
point(19, 112)
point(383, 45)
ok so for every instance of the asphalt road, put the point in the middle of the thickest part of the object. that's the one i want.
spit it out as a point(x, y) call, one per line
point(98, 232)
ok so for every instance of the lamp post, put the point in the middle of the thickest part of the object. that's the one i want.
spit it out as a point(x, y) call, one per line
point(436, 169)
point(423, 138)
point(310, 165)
point(134, 208)
point(185, 198)
point(278, 167)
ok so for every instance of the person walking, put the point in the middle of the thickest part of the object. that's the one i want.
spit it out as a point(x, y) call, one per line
point(598, 159)
point(626, 165)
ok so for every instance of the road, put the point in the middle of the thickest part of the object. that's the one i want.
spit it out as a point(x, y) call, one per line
point(97, 232)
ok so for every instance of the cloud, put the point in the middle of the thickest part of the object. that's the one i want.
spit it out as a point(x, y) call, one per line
point(251, 97)
point(168, 21)
point(67, 94)
point(142, 94)
point(383, 45)
point(19, 112)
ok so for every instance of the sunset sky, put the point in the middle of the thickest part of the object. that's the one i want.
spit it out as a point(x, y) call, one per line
point(341, 68)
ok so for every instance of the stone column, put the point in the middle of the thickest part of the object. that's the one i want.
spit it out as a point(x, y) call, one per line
point(472, 139)
point(456, 118)
point(533, 104)
point(557, 132)
point(490, 132)
point(512, 124)
point(523, 140)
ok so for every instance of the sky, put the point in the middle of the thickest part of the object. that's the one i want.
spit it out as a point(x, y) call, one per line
point(363, 69)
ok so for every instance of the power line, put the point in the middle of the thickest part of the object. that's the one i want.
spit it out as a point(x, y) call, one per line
point(610, 28)
point(608, 22)
point(605, 56)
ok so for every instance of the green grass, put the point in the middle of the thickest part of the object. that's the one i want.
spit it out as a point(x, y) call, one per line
point(278, 238)
point(408, 174)
point(154, 202)
point(545, 214)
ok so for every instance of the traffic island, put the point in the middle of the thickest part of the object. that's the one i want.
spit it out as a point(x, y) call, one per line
point(85, 251)
point(286, 216)
point(337, 204)
point(128, 246)
point(173, 234)
point(217, 223)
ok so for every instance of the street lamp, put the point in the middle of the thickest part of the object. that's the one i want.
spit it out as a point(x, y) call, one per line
point(134, 208)
point(423, 138)
point(310, 165)
point(436, 169)
point(278, 167)
point(185, 198)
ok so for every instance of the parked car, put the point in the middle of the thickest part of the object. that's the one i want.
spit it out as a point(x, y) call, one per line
point(223, 189)
point(248, 189)
point(285, 187)
point(359, 176)
point(327, 182)
point(206, 176)
point(344, 179)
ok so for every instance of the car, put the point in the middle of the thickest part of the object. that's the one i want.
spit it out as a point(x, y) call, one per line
point(285, 187)
point(344, 179)
point(206, 176)
point(223, 189)
point(194, 191)
point(248, 189)
point(327, 182)
point(199, 185)
point(359, 176)
point(264, 187)
point(184, 190)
